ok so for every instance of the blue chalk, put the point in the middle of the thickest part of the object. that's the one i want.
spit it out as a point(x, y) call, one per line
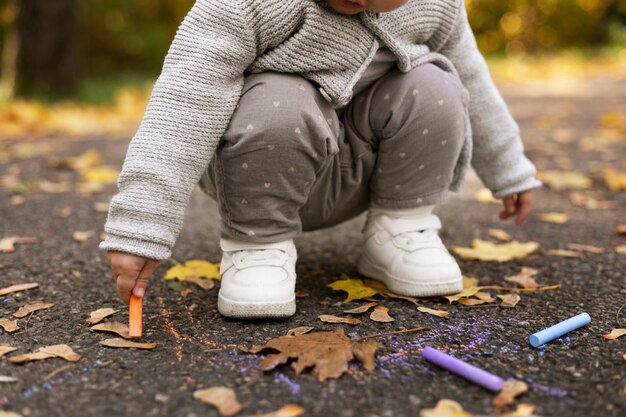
point(558, 330)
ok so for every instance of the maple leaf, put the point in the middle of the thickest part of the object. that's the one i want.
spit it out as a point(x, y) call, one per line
point(194, 268)
point(487, 251)
point(525, 278)
point(355, 288)
point(328, 353)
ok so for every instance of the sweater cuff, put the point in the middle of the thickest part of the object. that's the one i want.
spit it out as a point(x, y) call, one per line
point(136, 247)
point(526, 185)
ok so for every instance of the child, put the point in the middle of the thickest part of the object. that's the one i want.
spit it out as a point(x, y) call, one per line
point(298, 115)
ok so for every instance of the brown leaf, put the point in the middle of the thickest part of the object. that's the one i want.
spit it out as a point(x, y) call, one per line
point(222, 398)
point(118, 328)
point(621, 229)
point(484, 296)
point(381, 315)
point(123, 343)
point(9, 326)
point(467, 292)
point(524, 278)
point(289, 410)
point(470, 301)
point(509, 300)
point(301, 294)
point(7, 244)
point(500, 234)
point(18, 287)
point(6, 349)
point(445, 408)
point(621, 249)
point(564, 180)
point(523, 410)
point(27, 357)
point(205, 284)
point(437, 313)
point(62, 351)
point(361, 309)
point(328, 318)
point(585, 248)
point(615, 333)
point(469, 282)
point(100, 314)
point(510, 390)
point(590, 201)
point(299, 330)
point(8, 379)
point(83, 235)
point(30, 308)
point(564, 253)
point(328, 353)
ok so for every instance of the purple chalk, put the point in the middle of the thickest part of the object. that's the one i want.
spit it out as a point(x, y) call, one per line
point(457, 366)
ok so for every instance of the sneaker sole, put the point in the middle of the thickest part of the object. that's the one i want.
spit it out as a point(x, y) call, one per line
point(422, 289)
point(248, 310)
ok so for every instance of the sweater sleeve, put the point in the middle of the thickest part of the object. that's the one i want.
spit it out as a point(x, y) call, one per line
point(188, 112)
point(498, 153)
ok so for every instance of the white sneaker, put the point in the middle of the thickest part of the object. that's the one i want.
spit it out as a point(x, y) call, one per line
point(258, 279)
point(408, 256)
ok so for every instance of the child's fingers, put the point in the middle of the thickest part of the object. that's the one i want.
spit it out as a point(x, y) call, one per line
point(524, 206)
point(509, 207)
point(125, 284)
point(144, 276)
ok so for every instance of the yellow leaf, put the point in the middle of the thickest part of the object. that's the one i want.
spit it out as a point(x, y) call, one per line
point(614, 180)
point(289, 410)
point(100, 175)
point(565, 180)
point(500, 234)
point(485, 196)
point(590, 201)
point(615, 333)
point(467, 292)
point(487, 251)
point(355, 288)
point(194, 268)
point(558, 218)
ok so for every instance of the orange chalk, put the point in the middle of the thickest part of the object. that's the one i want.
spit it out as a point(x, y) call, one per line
point(134, 316)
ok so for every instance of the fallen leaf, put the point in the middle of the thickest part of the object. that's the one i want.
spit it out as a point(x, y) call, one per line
point(4, 378)
point(470, 301)
point(62, 351)
point(30, 308)
point(101, 207)
point(385, 292)
point(27, 357)
point(89, 159)
point(355, 288)
point(205, 284)
point(467, 292)
point(469, 282)
point(194, 268)
point(558, 218)
point(65, 212)
point(17, 200)
point(523, 410)
point(2, 266)
point(437, 313)
point(100, 175)
point(118, 328)
point(54, 187)
point(297, 331)
point(328, 353)
point(100, 314)
point(621, 229)
point(381, 315)
point(222, 398)
point(621, 249)
point(7, 244)
point(302, 294)
point(524, 278)
point(615, 333)
point(361, 309)
point(484, 296)
point(484, 195)
point(9, 326)
point(564, 180)
point(83, 236)
point(509, 300)
point(289, 410)
point(328, 318)
point(18, 287)
point(123, 343)
point(585, 248)
point(488, 251)
point(500, 234)
point(9, 414)
point(564, 253)
point(510, 390)
point(6, 349)
point(590, 201)
point(445, 408)
point(87, 189)
point(614, 180)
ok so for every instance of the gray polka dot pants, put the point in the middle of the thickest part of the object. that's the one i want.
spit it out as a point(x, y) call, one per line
point(289, 162)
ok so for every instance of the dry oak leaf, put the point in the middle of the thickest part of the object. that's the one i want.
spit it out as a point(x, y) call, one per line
point(123, 343)
point(381, 315)
point(615, 333)
point(31, 308)
point(7, 244)
point(564, 180)
point(328, 353)
point(614, 180)
point(302, 294)
point(361, 309)
point(445, 408)
point(551, 217)
point(487, 251)
point(329, 318)
point(434, 312)
point(4, 378)
point(9, 326)
point(585, 248)
point(297, 331)
point(524, 278)
point(54, 351)
point(523, 410)
point(484, 296)
point(194, 268)
point(469, 282)
point(289, 410)
point(510, 390)
point(222, 398)
point(465, 293)
point(116, 327)
point(509, 300)
point(500, 234)
point(355, 288)
point(100, 314)
point(590, 201)
point(621, 229)
point(83, 235)
point(17, 288)
point(564, 253)
point(621, 249)
point(6, 349)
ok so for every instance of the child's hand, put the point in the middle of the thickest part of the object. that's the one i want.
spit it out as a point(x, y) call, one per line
point(132, 273)
point(518, 204)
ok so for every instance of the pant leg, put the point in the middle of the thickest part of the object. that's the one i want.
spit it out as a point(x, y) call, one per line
point(415, 123)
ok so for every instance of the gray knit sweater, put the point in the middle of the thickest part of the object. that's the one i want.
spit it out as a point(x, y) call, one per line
point(195, 97)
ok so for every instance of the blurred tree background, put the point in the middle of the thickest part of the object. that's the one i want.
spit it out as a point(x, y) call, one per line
point(85, 48)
